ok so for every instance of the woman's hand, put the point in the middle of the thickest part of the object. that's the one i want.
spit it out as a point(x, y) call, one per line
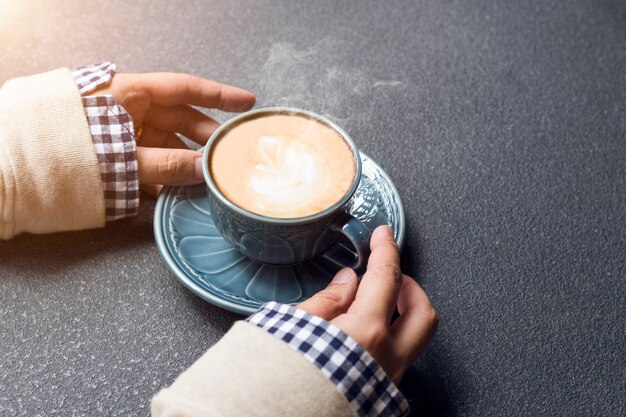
point(161, 106)
point(364, 310)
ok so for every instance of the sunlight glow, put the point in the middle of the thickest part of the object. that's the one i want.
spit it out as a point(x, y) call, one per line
point(9, 7)
point(17, 18)
point(13, 12)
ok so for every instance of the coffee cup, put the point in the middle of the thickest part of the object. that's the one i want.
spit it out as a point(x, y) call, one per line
point(280, 181)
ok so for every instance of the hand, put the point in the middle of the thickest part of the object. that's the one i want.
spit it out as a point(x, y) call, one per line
point(364, 313)
point(161, 104)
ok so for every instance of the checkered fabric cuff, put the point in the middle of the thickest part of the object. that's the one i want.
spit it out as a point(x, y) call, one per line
point(113, 137)
point(90, 77)
point(347, 364)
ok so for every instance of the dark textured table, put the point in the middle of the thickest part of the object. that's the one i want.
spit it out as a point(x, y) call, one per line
point(503, 124)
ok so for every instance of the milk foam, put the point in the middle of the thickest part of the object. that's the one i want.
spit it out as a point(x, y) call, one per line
point(284, 166)
point(288, 174)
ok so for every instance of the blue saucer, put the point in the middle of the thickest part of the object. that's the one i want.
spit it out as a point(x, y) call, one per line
point(211, 268)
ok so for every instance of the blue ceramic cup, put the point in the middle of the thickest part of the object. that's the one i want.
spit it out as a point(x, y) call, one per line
point(285, 241)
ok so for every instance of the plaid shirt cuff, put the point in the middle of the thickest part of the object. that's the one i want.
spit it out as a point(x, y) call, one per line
point(347, 364)
point(113, 137)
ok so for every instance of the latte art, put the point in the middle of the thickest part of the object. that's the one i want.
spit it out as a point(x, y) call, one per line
point(288, 174)
point(283, 166)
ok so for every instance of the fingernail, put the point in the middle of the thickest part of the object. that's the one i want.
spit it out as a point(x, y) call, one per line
point(384, 230)
point(343, 276)
point(199, 175)
point(387, 229)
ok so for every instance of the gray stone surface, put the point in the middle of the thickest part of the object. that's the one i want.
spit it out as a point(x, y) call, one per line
point(503, 124)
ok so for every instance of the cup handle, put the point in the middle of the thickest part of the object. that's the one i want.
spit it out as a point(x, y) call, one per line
point(359, 236)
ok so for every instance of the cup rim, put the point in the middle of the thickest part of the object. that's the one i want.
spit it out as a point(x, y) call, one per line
point(215, 191)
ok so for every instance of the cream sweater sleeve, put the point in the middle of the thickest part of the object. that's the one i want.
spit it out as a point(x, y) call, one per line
point(254, 374)
point(49, 175)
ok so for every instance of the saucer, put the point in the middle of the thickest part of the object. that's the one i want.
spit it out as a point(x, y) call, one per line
point(210, 267)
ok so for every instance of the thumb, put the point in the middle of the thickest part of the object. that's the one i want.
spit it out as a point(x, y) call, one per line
point(335, 299)
point(169, 166)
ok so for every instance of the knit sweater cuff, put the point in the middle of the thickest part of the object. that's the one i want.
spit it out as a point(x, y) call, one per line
point(49, 177)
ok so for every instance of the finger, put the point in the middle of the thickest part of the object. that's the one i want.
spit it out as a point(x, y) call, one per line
point(416, 326)
point(169, 166)
point(170, 89)
point(156, 138)
point(152, 189)
point(182, 119)
point(378, 291)
point(334, 299)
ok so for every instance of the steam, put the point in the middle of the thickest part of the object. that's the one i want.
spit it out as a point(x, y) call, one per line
point(320, 79)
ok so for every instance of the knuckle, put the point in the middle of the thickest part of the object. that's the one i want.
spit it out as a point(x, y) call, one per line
point(389, 269)
point(187, 87)
point(376, 334)
point(433, 317)
point(430, 316)
point(330, 297)
point(135, 100)
point(133, 83)
point(169, 166)
point(221, 97)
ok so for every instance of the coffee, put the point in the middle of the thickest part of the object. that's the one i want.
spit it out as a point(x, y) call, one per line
point(283, 165)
